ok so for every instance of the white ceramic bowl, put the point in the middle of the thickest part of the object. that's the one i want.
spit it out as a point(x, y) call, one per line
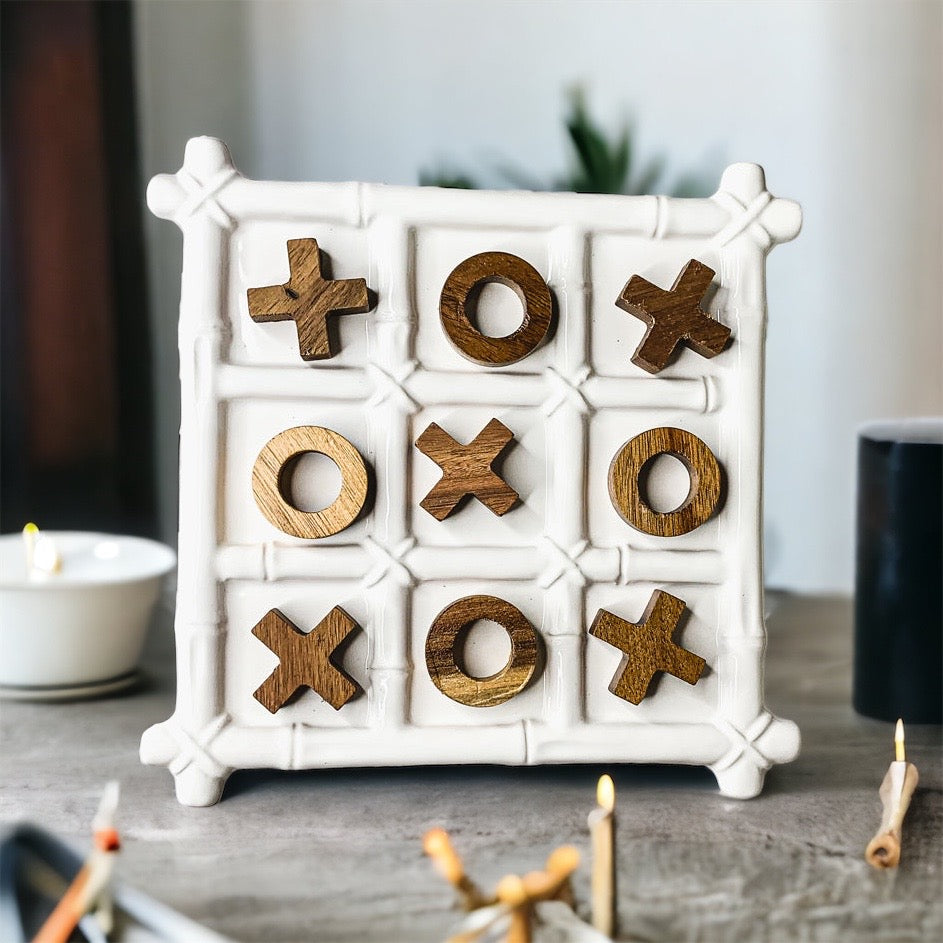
point(83, 626)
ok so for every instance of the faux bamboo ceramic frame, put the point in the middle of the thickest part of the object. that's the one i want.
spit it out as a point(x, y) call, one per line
point(559, 557)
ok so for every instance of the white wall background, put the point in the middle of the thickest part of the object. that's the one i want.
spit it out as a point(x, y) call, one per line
point(841, 102)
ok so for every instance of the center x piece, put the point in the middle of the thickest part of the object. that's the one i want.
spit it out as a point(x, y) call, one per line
point(647, 647)
point(466, 470)
point(673, 316)
point(305, 659)
point(307, 298)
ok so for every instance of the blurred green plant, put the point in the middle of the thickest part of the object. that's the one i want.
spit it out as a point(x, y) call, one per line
point(600, 164)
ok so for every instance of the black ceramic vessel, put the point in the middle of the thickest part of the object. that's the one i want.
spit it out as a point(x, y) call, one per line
point(899, 571)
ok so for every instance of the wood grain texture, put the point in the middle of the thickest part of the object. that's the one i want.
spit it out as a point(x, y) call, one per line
point(467, 470)
point(647, 646)
point(446, 639)
point(626, 475)
point(305, 659)
point(459, 299)
point(269, 482)
point(308, 298)
point(673, 317)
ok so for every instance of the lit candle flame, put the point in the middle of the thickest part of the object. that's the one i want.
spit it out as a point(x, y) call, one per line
point(606, 792)
point(42, 554)
point(30, 533)
point(899, 754)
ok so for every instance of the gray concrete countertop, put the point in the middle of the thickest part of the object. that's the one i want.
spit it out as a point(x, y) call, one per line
point(335, 855)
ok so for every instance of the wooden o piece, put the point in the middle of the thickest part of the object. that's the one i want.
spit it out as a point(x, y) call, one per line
point(268, 475)
point(459, 299)
point(647, 647)
point(447, 636)
point(673, 317)
point(305, 659)
point(466, 470)
point(697, 458)
point(307, 298)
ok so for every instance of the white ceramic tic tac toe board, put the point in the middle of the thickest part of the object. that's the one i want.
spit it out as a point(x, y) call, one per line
point(563, 541)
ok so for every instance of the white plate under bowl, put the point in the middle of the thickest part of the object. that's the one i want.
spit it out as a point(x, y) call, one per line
point(66, 692)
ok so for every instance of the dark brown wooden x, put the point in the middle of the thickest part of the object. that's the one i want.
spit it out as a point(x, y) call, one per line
point(466, 469)
point(647, 646)
point(307, 298)
point(673, 317)
point(305, 659)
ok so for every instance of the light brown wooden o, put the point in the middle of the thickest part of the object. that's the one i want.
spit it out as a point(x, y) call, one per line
point(459, 300)
point(444, 648)
point(268, 483)
point(703, 470)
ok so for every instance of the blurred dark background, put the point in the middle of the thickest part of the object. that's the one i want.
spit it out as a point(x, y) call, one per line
point(77, 419)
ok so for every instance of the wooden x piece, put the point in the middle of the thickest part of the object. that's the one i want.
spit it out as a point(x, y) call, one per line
point(647, 647)
point(307, 298)
point(466, 470)
point(306, 659)
point(673, 317)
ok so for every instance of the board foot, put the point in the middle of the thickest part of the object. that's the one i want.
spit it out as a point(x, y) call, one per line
point(767, 741)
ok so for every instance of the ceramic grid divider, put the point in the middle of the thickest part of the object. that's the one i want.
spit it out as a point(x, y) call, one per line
point(202, 743)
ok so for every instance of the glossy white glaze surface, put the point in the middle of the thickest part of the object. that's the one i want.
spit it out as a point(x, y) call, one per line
point(560, 555)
